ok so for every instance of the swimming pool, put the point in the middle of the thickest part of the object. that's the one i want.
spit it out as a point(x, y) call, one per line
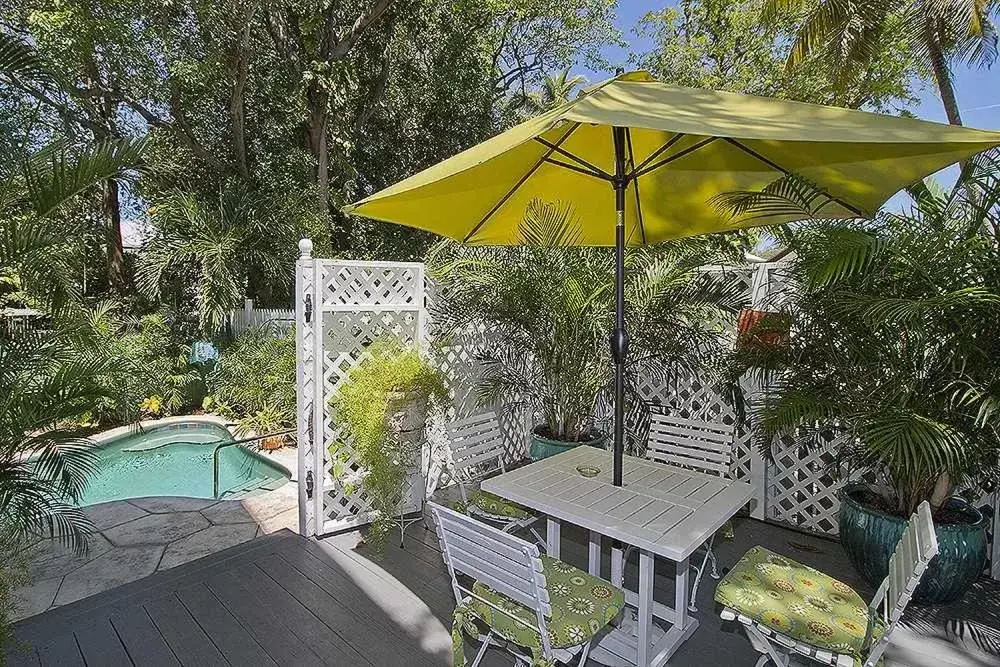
point(176, 460)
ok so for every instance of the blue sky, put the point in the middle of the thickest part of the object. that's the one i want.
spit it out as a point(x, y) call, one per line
point(978, 90)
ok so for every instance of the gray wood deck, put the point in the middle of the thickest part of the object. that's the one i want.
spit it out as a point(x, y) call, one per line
point(286, 600)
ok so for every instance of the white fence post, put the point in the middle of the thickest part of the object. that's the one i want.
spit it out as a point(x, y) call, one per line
point(304, 314)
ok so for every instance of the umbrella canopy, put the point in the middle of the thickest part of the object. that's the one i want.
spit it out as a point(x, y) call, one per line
point(683, 146)
point(666, 153)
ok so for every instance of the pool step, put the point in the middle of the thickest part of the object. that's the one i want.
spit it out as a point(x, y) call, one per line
point(248, 486)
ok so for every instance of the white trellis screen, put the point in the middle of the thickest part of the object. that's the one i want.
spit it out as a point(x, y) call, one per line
point(342, 306)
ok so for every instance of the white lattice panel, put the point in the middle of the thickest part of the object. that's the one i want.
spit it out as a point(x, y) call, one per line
point(358, 302)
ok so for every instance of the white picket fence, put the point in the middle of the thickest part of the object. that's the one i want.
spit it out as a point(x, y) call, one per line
point(238, 321)
point(343, 306)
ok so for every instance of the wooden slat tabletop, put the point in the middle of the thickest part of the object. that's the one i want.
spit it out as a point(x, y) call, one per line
point(664, 509)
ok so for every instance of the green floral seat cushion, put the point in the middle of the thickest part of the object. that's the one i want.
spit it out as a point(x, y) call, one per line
point(582, 605)
point(493, 507)
point(797, 601)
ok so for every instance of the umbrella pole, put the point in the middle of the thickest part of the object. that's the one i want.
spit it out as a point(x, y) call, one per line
point(619, 338)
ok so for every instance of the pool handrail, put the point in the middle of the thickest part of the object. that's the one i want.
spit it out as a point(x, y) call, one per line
point(223, 445)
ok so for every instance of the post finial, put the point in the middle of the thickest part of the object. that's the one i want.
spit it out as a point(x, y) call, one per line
point(305, 248)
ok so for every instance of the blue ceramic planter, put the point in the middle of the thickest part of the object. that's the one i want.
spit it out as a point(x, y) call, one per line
point(544, 447)
point(869, 538)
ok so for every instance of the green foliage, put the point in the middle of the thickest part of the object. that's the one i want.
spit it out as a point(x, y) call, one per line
point(47, 383)
point(852, 36)
point(724, 45)
point(546, 310)
point(151, 376)
point(894, 345)
point(364, 406)
point(254, 382)
point(241, 245)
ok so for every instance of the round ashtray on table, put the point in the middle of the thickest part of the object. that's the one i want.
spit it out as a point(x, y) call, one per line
point(588, 471)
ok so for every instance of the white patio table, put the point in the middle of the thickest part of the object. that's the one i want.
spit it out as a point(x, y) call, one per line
point(662, 510)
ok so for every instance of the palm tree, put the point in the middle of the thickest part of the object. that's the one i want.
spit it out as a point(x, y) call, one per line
point(46, 383)
point(240, 245)
point(895, 343)
point(555, 90)
point(545, 310)
point(48, 379)
point(937, 33)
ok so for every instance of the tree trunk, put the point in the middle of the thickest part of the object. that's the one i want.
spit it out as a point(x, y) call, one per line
point(237, 107)
point(316, 135)
point(116, 249)
point(942, 76)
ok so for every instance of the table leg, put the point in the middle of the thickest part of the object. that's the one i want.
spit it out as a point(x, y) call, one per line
point(645, 612)
point(617, 566)
point(594, 557)
point(552, 540)
point(681, 593)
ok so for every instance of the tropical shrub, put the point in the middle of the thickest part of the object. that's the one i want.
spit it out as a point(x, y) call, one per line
point(363, 407)
point(47, 382)
point(254, 382)
point(154, 377)
point(545, 310)
point(895, 346)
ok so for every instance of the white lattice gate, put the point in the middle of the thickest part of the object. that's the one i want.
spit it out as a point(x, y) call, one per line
point(342, 307)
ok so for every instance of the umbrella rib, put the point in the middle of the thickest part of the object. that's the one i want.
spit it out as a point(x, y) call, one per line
point(676, 156)
point(635, 186)
point(777, 167)
point(573, 167)
point(659, 151)
point(520, 182)
point(597, 171)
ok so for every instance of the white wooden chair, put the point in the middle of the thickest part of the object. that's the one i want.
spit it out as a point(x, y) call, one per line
point(696, 445)
point(537, 607)
point(477, 452)
point(909, 561)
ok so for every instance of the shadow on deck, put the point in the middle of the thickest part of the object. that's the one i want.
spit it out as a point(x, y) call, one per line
point(287, 600)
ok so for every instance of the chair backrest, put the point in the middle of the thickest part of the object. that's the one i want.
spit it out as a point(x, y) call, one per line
point(504, 562)
point(907, 565)
point(699, 445)
point(477, 449)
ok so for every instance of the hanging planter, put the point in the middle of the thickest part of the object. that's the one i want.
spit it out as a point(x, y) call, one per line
point(762, 328)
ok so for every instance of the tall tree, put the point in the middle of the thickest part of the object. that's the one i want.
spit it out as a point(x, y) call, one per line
point(722, 44)
point(935, 33)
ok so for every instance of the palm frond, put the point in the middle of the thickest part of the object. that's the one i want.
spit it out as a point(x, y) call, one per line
point(19, 60)
point(54, 177)
point(788, 197)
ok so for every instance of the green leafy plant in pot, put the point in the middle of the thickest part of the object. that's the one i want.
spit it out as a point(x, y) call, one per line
point(537, 317)
point(382, 406)
point(894, 359)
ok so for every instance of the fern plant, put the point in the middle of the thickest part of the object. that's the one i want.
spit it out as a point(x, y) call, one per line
point(363, 407)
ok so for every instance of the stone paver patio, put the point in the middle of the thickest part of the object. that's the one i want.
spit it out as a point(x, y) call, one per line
point(140, 536)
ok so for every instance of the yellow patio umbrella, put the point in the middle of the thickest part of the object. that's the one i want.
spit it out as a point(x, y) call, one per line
point(665, 153)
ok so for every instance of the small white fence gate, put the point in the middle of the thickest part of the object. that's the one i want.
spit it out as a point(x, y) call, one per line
point(343, 306)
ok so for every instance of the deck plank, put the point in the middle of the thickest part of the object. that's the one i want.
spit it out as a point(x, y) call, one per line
point(144, 643)
point(100, 645)
point(268, 622)
point(61, 651)
point(367, 631)
point(184, 636)
point(236, 644)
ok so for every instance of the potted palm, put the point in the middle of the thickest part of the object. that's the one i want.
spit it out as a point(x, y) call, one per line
point(894, 356)
point(382, 407)
point(537, 317)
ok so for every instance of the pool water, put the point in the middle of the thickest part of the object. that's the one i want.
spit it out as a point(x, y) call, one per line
point(176, 460)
